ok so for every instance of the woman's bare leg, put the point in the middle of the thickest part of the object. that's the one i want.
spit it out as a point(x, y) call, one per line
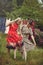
point(24, 55)
point(15, 50)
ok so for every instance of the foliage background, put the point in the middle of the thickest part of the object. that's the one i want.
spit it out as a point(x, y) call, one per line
point(22, 8)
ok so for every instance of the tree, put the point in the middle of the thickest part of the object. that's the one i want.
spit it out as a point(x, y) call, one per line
point(23, 8)
point(7, 6)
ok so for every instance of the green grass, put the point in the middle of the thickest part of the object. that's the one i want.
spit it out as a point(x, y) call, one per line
point(35, 57)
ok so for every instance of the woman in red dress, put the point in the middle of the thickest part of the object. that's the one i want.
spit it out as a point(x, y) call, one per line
point(13, 38)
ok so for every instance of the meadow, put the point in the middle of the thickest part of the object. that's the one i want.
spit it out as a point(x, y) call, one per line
point(35, 57)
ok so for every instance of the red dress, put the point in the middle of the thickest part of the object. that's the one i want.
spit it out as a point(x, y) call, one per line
point(12, 34)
